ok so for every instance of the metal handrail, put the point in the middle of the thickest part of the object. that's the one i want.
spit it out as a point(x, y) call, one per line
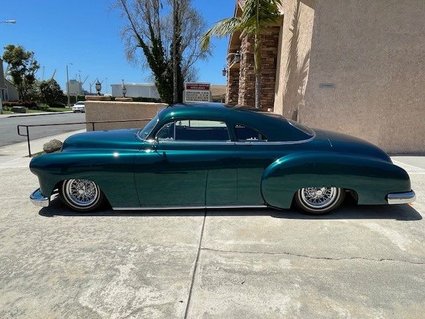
point(26, 133)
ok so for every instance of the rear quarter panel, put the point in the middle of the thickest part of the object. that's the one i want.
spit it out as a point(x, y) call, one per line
point(372, 179)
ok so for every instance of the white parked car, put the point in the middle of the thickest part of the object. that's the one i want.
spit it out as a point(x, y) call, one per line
point(79, 107)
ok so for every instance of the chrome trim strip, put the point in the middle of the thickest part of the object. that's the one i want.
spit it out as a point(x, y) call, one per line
point(188, 207)
point(237, 206)
point(172, 142)
point(39, 199)
point(401, 198)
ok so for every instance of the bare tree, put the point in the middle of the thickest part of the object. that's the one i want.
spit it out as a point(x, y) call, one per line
point(168, 33)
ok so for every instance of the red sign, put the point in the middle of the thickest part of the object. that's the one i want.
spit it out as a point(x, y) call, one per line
point(197, 86)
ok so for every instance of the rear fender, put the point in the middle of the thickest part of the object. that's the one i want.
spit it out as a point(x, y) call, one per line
point(372, 179)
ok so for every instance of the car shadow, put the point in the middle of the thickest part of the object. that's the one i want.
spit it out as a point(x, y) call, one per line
point(348, 211)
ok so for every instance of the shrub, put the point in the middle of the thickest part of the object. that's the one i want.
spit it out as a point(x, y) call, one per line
point(28, 104)
point(146, 99)
point(43, 107)
point(19, 109)
point(58, 104)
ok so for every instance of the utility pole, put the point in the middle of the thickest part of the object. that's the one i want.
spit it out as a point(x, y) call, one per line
point(2, 86)
point(67, 85)
point(175, 28)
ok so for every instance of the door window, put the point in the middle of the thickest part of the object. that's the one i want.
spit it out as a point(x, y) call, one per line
point(194, 130)
point(247, 134)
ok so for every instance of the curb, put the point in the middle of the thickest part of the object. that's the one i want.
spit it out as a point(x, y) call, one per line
point(33, 114)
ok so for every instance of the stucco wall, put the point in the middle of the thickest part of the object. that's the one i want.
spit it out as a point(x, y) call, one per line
point(357, 67)
point(117, 111)
point(366, 73)
point(293, 56)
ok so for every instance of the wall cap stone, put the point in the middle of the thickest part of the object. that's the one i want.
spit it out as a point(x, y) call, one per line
point(97, 98)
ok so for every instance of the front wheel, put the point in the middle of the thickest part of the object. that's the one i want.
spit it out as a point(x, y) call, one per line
point(319, 200)
point(81, 194)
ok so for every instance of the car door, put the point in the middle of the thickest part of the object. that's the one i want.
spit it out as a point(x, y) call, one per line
point(192, 165)
point(254, 154)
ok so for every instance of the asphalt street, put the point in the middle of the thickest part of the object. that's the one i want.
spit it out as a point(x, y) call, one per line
point(8, 134)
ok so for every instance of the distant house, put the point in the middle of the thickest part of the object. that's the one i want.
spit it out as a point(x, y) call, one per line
point(8, 91)
point(354, 66)
point(11, 93)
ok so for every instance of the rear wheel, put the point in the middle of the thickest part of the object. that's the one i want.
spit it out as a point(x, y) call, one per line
point(81, 194)
point(319, 200)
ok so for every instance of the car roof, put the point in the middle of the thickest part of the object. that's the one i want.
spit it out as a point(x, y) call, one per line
point(274, 126)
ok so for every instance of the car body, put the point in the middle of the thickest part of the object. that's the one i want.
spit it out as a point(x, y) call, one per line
point(216, 156)
point(79, 107)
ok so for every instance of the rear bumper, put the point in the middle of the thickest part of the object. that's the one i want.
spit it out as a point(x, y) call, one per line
point(39, 199)
point(401, 198)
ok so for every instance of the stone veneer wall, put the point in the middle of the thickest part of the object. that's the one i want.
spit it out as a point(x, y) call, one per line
point(269, 50)
point(246, 74)
point(232, 90)
point(246, 82)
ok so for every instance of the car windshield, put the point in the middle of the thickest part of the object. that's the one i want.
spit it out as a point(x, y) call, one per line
point(144, 132)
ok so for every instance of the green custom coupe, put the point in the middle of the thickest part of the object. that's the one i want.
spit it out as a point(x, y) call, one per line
point(217, 156)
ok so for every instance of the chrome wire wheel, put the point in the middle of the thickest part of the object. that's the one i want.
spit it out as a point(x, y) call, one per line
point(81, 194)
point(319, 200)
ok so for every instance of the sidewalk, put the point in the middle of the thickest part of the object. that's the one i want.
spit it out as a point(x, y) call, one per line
point(19, 150)
point(32, 114)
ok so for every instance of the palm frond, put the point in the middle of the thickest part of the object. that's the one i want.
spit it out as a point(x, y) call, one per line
point(221, 29)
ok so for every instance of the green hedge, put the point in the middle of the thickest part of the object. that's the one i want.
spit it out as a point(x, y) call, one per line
point(29, 105)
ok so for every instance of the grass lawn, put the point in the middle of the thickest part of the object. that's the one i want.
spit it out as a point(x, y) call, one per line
point(58, 109)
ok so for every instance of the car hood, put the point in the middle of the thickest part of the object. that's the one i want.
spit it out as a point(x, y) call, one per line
point(114, 139)
point(347, 144)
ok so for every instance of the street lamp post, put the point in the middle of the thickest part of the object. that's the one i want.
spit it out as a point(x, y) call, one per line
point(224, 71)
point(98, 87)
point(9, 21)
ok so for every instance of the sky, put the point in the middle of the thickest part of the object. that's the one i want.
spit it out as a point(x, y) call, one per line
point(86, 36)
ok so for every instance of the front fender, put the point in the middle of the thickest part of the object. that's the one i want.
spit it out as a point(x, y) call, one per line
point(112, 171)
point(372, 179)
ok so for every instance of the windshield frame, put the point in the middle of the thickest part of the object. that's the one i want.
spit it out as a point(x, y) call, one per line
point(144, 133)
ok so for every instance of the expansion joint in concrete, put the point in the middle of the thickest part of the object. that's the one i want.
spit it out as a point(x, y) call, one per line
point(195, 267)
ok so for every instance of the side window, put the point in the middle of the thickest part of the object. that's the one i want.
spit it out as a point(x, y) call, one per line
point(194, 130)
point(247, 134)
point(166, 132)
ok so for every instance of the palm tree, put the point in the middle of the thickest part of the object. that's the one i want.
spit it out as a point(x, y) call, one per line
point(256, 16)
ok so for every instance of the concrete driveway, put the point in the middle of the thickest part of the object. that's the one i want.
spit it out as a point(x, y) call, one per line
point(360, 262)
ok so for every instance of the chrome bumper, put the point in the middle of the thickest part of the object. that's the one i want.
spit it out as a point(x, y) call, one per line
point(38, 199)
point(401, 198)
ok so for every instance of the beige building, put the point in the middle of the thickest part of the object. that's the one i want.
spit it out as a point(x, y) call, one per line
point(353, 66)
